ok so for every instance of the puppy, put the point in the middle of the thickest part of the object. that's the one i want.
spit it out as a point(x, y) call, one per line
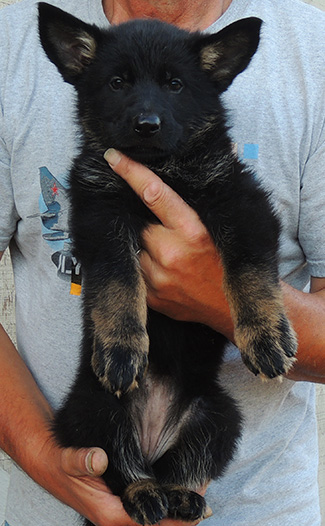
point(147, 389)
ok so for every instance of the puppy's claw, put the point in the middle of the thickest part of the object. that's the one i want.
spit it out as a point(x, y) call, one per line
point(119, 369)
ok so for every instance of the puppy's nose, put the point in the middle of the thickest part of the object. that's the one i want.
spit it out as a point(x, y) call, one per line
point(147, 125)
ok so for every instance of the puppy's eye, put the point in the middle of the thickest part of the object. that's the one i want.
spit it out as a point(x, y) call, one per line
point(175, 85)
point(117, 83)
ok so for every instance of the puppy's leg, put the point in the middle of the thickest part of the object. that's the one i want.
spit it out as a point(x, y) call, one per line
point(116, 312)
point(262, 331)
point(246, 232)
point(205, 445)
point(120, 346)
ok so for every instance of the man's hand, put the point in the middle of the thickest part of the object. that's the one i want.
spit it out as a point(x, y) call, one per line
point(179, 260)
point(76, 480)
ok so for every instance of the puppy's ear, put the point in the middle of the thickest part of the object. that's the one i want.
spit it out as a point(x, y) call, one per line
point(225, 54)
point(68, 42)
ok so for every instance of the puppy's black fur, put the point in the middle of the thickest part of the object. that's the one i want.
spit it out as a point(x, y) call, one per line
point(153, 91)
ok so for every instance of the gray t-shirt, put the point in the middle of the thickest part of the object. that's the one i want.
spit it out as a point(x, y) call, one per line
point(277, 110)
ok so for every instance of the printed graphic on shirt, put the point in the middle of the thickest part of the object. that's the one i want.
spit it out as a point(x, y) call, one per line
point(246, 152)
point(250, 151)
point(54, 208)
point(54, 211)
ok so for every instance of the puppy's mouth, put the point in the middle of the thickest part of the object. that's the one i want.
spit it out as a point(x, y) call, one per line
point(144, 153)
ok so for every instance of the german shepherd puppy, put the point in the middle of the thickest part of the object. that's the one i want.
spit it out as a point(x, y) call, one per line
point(147, 389)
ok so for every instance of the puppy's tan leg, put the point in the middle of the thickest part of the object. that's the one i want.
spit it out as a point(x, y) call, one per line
point(120, 350)
point(262, 331)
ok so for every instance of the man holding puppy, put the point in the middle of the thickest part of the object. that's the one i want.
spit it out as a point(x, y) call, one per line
point(278, 126)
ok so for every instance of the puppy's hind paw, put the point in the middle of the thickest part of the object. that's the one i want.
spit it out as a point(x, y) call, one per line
point(145, 502)
point(186, 505)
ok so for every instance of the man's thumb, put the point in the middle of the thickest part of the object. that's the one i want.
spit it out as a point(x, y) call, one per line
point(84, 461)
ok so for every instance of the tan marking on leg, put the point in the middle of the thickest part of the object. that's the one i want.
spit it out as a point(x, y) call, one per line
point(119, 318)
point(258, 312)
point(116, 306)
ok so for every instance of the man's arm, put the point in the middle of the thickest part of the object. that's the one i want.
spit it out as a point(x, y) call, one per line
point(307, 314)
point(184, 273)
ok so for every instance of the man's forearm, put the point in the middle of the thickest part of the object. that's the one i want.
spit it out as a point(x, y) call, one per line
point(24, 412)
point(307, 314)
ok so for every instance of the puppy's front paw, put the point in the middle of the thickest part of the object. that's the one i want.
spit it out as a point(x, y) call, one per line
point(268, 349)
point(120, 363)
point(145, 502)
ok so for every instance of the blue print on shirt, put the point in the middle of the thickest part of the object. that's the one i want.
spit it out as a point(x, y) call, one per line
point(54, 208)
point(53, 213)
point(250, 151)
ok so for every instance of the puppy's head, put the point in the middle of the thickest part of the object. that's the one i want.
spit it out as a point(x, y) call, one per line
point(145, 87)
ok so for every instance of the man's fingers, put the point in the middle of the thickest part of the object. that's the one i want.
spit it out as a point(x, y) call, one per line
point(166, 204)
point(84, 461)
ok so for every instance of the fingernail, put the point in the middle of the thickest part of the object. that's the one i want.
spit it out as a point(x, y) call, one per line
point(112, 156)
point(89, 464)
point(96, 462)
point(208, 512)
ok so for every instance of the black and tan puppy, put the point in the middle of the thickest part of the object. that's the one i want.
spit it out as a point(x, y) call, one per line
point(147, 390)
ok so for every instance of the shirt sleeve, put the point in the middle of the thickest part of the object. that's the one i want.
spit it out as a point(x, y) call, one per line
point(312, 209)
point(8, 212)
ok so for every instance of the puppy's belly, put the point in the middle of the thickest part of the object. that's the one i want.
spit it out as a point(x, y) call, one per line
point(157, 416)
